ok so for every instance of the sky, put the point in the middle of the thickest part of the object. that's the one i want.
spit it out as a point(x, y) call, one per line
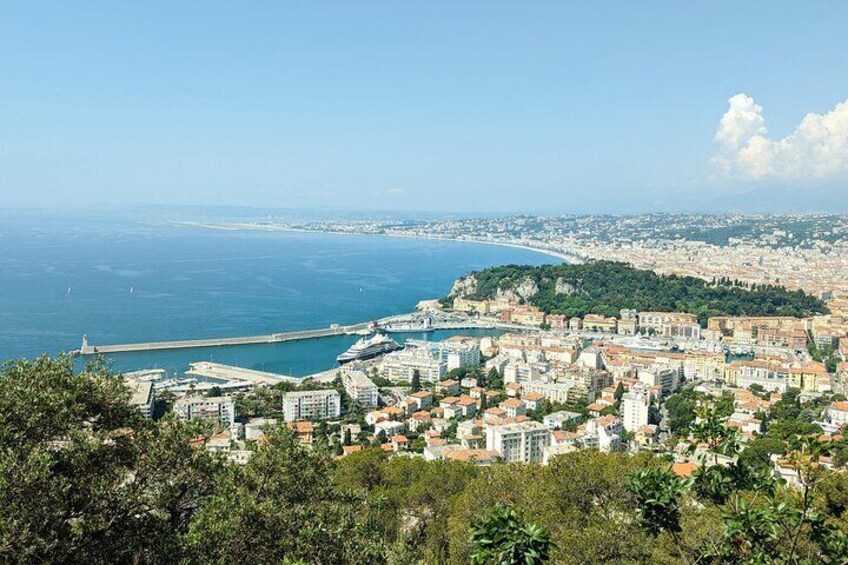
point(456, 106)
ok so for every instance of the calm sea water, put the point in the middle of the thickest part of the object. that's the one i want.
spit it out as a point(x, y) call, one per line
point(123, 281)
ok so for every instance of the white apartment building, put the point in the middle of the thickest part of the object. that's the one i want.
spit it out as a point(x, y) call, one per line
point(521, 372)
point(454, 352)
point(142, 395)
point(523, 442)
point(360, 388)
point(657, 375)
point(608, 431)
point(219, 408)
point(555, 392)
point(634, 408)
point(400, 365)
point(561, 419)
point(312, 405)
point(591, 357)
point(837, 414)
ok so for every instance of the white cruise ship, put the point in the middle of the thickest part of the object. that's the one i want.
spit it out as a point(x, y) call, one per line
point(368, 348)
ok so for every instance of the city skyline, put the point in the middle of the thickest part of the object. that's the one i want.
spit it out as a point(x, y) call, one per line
point(472, 108)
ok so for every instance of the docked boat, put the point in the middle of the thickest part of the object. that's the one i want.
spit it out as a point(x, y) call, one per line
point(368, 348)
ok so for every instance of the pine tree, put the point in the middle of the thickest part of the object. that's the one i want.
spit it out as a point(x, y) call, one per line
point(416, 380)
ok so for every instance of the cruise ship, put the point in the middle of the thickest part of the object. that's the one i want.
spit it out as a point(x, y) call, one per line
point(368, 348)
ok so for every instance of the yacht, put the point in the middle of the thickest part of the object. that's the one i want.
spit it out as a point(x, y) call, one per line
point(368, 348)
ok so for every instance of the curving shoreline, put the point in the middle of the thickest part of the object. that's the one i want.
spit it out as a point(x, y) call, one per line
point(564, 256)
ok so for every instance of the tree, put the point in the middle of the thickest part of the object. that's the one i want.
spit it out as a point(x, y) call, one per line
point(283, 505)
point(503, 538)
point(83, 478)
point(759, 523)
point(381, 437)
point(347, 437)
point(416, 380)
point(619, 392)
point(494, 379)
point(484, 401)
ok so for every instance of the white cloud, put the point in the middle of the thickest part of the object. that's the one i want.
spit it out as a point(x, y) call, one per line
point(395, 191)
point(818, 148)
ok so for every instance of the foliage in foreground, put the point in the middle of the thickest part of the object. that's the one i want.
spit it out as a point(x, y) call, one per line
point(84, 479)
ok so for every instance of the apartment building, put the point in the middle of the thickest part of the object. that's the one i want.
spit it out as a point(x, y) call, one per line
point(658, 375)
point(554, 392)
point(360, 388)
point(311, 405)
point(519, 442)
point(769, 375)
point(629, 322)
point(635, 406)
point(809, 377)
point(598, 323)
point(670, 324)
point(401, 365)
point(217, 408)
point(143, 396)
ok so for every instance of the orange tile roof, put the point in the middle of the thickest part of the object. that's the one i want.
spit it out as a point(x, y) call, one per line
point(511, 403)
point(471, 455)
point(684, 469)
point(348, 449)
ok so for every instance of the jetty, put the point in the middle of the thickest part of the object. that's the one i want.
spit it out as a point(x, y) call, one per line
point(89, 349)
point(229, 373)
point(402, 323)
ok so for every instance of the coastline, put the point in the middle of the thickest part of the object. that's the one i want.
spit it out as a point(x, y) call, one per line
point(563, 256)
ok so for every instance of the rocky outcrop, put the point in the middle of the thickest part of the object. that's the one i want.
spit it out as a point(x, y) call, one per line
point(464, 286)
point(522, 292)
point(563, 287)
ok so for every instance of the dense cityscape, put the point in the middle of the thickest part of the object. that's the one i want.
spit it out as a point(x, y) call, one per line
point(808, 252)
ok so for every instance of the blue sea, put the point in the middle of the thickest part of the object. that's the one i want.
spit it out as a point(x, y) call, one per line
point(122, 280)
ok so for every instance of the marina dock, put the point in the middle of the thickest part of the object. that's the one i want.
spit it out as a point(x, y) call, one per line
point(217, 371)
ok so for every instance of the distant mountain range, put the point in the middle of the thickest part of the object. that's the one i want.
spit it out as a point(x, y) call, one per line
point(775, 199)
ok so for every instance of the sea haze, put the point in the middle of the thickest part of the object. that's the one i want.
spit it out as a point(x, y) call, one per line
point(122, 281)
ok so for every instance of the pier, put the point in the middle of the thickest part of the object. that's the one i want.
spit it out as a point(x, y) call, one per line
point(402, 323)
point(89, 349)
point(228, 373)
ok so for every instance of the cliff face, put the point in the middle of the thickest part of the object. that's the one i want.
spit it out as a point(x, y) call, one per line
point(464, 286)
point(563, 287)
point(524, 290)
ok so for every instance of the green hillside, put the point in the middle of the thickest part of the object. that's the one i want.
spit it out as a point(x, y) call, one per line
point(605, 287)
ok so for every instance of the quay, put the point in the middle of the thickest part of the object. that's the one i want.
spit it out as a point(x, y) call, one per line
point(402, 323)
point(88, 349)
point(229, 373)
